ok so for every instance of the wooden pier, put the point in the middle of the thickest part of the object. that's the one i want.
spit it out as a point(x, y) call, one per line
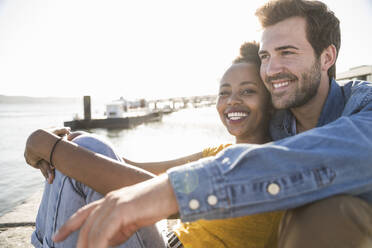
point(156, 110)
point(111, 123)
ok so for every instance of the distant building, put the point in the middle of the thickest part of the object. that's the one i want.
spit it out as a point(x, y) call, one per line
point(114, 110)
point(363, 72)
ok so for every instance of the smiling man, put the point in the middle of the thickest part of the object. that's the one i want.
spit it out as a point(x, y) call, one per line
point(298, 54)
point(299, 47)
point(319, 168)
point(293, 72)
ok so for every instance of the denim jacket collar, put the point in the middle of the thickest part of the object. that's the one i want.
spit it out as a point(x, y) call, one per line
point(282, 121)
point(333, 106)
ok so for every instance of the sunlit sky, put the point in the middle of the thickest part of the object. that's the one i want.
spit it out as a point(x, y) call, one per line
point(141, 48)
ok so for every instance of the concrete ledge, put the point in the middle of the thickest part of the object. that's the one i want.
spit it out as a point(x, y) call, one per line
point(17, 226)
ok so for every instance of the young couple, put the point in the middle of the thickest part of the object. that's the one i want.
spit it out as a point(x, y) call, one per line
point(318, 169)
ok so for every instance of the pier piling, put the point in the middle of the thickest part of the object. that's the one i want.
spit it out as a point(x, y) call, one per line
point(87, 108)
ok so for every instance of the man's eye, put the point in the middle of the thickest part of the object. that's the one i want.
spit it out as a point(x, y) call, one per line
point(287, 52)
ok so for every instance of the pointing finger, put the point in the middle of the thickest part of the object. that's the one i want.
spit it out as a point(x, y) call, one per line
point(75, 222)
point(93, 225)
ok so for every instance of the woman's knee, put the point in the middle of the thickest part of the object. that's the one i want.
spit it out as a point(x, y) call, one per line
point(96, 144)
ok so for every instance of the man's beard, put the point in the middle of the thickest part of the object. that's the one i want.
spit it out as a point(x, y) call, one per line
point(304, 92)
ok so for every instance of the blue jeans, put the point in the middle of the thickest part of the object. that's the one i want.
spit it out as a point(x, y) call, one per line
point(66, 195)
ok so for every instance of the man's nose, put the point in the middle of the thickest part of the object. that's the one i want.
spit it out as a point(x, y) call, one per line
point(273, 66)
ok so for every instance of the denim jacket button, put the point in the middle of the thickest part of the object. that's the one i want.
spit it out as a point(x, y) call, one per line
point(212, 200)
point(194, 204)
point(226, 161)
point(273, 189)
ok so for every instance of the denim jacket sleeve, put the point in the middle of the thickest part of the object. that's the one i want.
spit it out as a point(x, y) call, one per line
point(246, 179)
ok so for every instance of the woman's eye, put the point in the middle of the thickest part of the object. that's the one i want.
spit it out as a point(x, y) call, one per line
point(248, 91)
point(263, 56)
point(223, 93)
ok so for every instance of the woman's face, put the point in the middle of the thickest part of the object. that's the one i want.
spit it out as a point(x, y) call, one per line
point(244, 104)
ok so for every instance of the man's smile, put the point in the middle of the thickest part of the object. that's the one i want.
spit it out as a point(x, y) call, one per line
point(280, 82)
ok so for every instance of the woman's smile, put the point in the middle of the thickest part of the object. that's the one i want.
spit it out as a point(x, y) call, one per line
point(236, 116)
point(244, 103)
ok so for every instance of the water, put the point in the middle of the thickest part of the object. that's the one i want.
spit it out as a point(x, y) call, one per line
point(178, 134)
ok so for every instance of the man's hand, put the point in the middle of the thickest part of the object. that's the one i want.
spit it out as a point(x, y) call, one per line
point(113, 219)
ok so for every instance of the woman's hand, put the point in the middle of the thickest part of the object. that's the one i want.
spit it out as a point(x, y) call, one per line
point(47, 171)
point(61, 131)
point(33, 155)
point(73, 135)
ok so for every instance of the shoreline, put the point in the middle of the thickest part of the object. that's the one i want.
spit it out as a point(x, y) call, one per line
point(17, 225)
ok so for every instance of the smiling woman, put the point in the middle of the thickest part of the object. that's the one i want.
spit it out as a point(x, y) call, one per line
point(244, 106)
point(243, 102)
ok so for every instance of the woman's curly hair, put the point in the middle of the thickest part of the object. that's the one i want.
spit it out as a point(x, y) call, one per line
point(249, 53)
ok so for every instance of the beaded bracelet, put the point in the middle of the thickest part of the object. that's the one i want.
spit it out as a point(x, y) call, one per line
point(51, 153)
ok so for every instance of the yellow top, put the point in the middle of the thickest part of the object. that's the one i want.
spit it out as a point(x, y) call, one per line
point(254, 231)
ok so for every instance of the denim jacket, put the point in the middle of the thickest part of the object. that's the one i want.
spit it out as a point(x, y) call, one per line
point(333, 158)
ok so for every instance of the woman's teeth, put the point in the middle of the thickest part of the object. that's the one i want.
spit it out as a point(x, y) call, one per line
point(236, 115)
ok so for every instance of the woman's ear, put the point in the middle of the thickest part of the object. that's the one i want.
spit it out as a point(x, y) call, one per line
point(328, 57)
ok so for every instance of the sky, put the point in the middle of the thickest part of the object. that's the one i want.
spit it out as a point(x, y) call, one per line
point(141, 48)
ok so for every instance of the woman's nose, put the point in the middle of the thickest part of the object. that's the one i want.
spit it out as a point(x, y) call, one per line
point(234, 99)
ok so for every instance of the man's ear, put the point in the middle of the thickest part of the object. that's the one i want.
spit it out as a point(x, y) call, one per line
point(328, 57)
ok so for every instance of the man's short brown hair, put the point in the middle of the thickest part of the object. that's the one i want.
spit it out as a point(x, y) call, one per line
point(322, 26)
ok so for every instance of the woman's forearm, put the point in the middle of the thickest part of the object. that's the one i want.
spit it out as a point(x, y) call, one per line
point(96, 171)
point(162, 166)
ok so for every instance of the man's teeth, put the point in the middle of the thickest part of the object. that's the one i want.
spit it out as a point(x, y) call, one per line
point(236, 115)
point(278, 85)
